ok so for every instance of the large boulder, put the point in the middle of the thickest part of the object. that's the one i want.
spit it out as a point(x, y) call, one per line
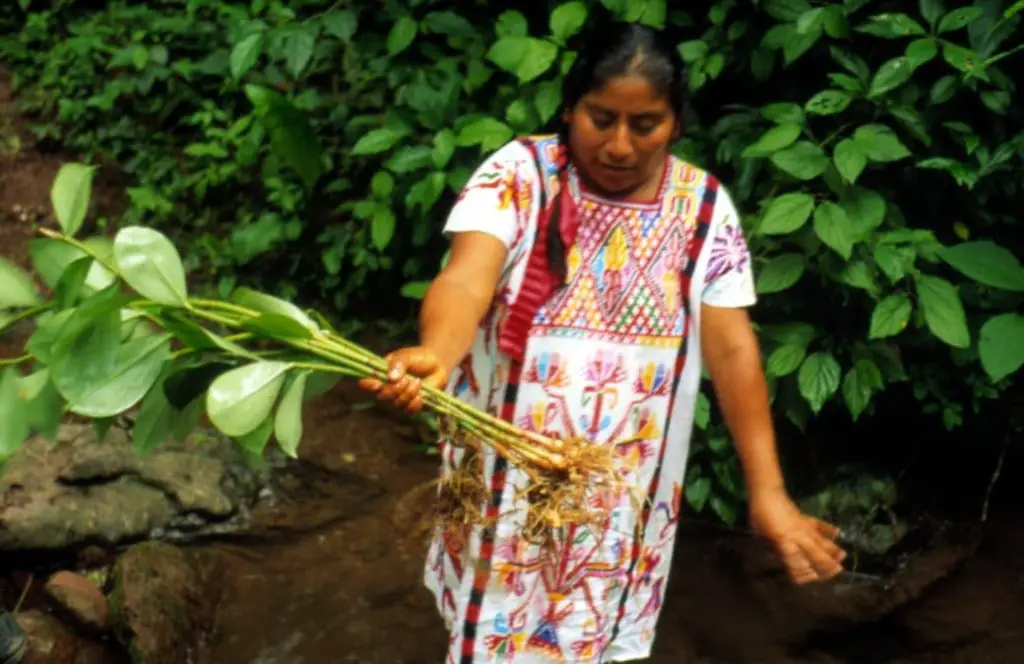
point(80, 490)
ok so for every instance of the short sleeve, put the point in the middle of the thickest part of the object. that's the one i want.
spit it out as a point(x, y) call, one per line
point(499, 198)
point(729, 280)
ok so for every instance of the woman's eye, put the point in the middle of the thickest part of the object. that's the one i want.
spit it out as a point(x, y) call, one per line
point(645, 127)
point(602, 121)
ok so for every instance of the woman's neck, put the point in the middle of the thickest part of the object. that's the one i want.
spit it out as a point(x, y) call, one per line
point(645, 193)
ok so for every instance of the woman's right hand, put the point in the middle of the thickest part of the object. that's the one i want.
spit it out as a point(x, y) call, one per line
point(408, 369)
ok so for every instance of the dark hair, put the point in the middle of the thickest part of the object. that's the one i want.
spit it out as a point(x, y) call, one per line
point(612, 49)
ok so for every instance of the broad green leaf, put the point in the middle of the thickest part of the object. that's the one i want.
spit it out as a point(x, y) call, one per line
point(245, 54)
point(71, 283)
point(773, 140)
point(265, 303)
point(987, 263)
point(860, 384)
point(921, 51)
point(136, 368)
point(859, 275)
point(932, 10)
point(401, 35)
point(791, 334)
point(239, 400)
point(865, 208)
point(444, 148)
point(780, 273)
point(786, 214)
point(151, 265)
point(1014, 9)
point(890, 316)
point(786, 10)
point(376, 141)
point(410, 158)
point(891, 75)
point(292, 136)
point(13, 414)
point(963, 59)
point(654, 13)
point(548, 100)
point(526, 57)
point(959, 19)
point(698, 491)
point(804, 160)
point(944, 89)
point(255, 442)
point(890, 260)
point(17, 289)
point(1001, 345)
point(693, 50)
point(277, 326)
point(702, 411)
point(155, 420)
point(508, 52)
point(486, 132)
point(849, 159)
point(51, 257)
point(891, 26)
point(833, 227)
point(185, 386)
point(288, 420)
point(70, 195)
point(943, 310)
point(880, 144)
point(784, 113)
point(382, 227)
point(415, 290)
point(382, 185)
point(299, 49)
point(784, 360)
point(511, 24)
point(835, 22)
point(828, 102)
point(341, 24)
point(567, 19)
point(818, 379)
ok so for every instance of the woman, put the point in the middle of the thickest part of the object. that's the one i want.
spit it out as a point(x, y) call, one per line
point(589, 274)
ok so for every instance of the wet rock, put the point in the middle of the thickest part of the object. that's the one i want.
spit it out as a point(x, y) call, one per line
point(80, 598)
point(50, 642)
point(79, 490)
point(163, 602)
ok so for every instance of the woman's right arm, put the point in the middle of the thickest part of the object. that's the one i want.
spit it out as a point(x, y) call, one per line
point(455, 303)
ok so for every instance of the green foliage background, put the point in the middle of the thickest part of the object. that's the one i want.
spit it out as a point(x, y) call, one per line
point(312, 148)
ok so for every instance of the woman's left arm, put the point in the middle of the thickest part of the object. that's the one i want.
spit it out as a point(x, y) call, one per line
point(732, 355)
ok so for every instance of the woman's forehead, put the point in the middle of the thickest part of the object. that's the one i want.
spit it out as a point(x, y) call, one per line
point(632, 95)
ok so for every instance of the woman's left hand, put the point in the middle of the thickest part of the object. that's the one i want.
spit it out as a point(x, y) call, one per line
point(806, 545)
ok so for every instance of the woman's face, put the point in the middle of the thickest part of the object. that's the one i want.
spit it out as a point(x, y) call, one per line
point(619, 134)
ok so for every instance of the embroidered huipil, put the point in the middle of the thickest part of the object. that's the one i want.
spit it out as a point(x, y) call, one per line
point(614, 356)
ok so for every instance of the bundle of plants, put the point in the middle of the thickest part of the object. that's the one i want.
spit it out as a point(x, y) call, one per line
point(119, 333)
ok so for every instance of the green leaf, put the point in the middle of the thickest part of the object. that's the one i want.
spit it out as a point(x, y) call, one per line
point(833, 227)
point(921, 51)
point(299, 49)
point(859, 386)
point(277, 326)
point(880, 144)
point(185, 386)
point(255, 442)
point(892, 26)
point(567, 20)
point(444, 148)
point(890, 317)
point(292, 136)
point(376, 141)
point(1014, 9)
point(943, 310)
point(818, 379)
point(245, 54)
point(691, 51)
point(70, 194)
point(890, 261)
point(698, 491)
point(786, 359)
point(71, 283)
point(13, 414)
point(891, 75)
point(1001, 345)
point(382, 227)
point(288, 420)
point(963, 59)
point(786, 214)
point(850, 160)
point(784, 113)
point(151, 265)
point(511, 24)
point(959, 19)
point(986, 263)
point(135, 370)
point(16, 287)
point(548, 100)
point(828, 102)
point(410, 158)
point(401, 35)
point(154, 422)
point(932, 10)
point(804, 160)
point(780, 273)
point(382, 185)
point(341, 24)
point(774, 139)
point(265, 303)
point(865, 209)
point(239, 400)
point(488, 133)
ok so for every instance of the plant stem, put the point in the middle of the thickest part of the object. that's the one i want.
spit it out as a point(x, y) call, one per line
point(53, 235)
point(27, 313)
